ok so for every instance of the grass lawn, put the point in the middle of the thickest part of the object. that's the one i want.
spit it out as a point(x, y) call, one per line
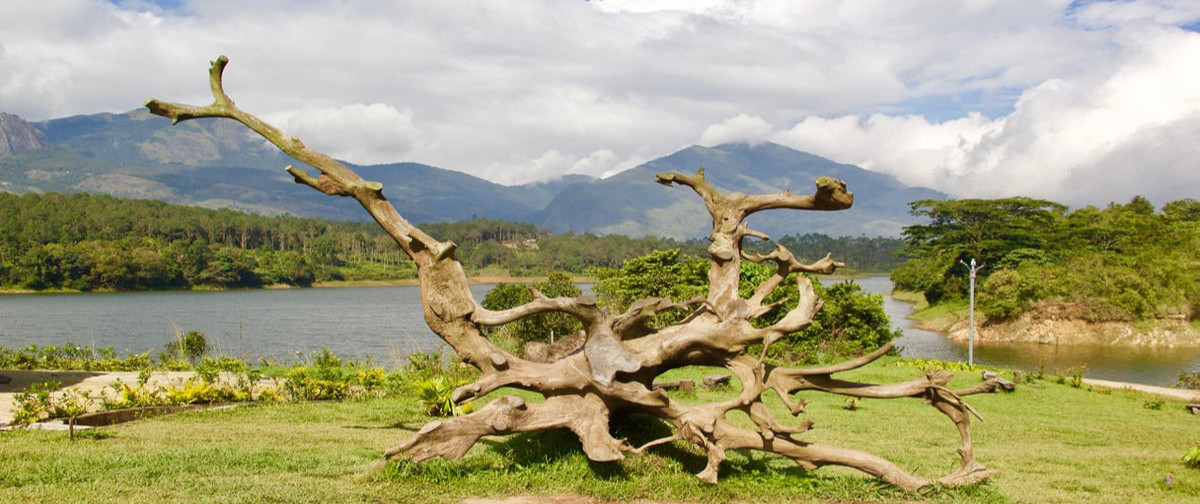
point(1054, 443)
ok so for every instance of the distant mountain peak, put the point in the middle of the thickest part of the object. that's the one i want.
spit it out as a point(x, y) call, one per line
point(17, 135)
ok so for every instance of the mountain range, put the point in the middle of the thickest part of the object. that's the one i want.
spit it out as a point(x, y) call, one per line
point(221, 164)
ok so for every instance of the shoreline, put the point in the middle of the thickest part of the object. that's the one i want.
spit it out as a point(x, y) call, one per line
point(332, 284)
point(951, 322)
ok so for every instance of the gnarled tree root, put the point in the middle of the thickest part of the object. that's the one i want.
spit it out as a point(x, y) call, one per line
point(618, 356)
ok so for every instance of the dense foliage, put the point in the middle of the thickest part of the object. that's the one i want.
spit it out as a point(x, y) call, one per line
point(1121, 263)
point(850, 322)
point(862, 254)
point(89, 242)
point(540, 327)
point(86, 242)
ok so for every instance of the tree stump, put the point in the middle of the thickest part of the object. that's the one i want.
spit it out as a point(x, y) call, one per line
point(614, 368)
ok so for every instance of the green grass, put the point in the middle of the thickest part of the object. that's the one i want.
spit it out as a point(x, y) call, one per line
point(941, 316)
point(916, 298)
point(1053, 443)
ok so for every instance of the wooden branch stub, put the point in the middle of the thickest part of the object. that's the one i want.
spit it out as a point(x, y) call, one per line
point(714, 381)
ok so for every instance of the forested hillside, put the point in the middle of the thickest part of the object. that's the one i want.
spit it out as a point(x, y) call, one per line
point(1124, 262)
point(90, 242)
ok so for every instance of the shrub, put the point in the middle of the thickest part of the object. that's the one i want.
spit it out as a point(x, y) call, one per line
point(435, 395)
point(71, 357)
point(190, 346)
point(1191, 458)
point(34, 403)
point(133, 396)
point(315, 384)
point(1077, 375)
point(540, 327)
point(1189, 380)
point(74, 402)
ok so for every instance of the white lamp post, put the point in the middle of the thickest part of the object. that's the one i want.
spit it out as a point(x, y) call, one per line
point(971, 333)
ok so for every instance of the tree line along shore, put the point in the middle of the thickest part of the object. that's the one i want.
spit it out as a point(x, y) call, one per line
point(1127, 273)
point(83, 242)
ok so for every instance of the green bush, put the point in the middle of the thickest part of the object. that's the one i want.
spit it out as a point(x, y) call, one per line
point(849, 323)
point(1189, 380)
point(330, 378)
point(540, 327)
point(191, 346)
point(1191, 458)
point(435, 395)
point(1007, 293)
point(71, 357)
point(34, 404)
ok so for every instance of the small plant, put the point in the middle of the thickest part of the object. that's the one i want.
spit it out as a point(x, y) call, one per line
point(1153, 404)
point(931, 365)
point(435, 394)
point(327, 359)
point(1077, 375)
point(73, 403)
point(191, 346)
point(1189, 380)
point(1191, 458)
point(1036, 375)
point(133, 396)
point(34, 403)
point(315, 384)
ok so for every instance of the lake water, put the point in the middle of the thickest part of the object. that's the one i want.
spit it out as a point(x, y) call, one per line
point(385, 324)
point(1151, 366)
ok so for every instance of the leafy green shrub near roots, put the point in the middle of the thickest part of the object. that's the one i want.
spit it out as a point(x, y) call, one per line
point(435, 395)
point(1191, 458)
point(540, 327)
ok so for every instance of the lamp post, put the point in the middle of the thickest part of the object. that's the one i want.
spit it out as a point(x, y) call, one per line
point(971, 332)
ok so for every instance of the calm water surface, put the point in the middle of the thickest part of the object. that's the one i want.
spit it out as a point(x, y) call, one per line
point(376, 322)
point(385, 323)
point(1152, 366)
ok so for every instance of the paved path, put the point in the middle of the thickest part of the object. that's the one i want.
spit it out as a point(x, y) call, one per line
point(1174, 393)
point(94, 381)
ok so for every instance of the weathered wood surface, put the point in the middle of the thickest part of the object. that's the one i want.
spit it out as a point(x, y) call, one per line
point(620, 356)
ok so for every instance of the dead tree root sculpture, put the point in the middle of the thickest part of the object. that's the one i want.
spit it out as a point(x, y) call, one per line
point(620, 355)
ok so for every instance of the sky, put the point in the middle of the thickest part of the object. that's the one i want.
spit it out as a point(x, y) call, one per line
point(1082, 102)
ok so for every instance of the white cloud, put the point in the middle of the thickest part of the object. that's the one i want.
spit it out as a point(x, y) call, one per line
point(738, 129)
point(363, 134)
point(516, 90)
point(1093, 138)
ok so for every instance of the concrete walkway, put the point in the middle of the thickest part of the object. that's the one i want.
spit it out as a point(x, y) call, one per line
point(92, 381)
point(1174, 393)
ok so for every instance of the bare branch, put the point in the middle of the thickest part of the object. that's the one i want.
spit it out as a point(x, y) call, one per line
point(583, 308)
point(831, 195)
